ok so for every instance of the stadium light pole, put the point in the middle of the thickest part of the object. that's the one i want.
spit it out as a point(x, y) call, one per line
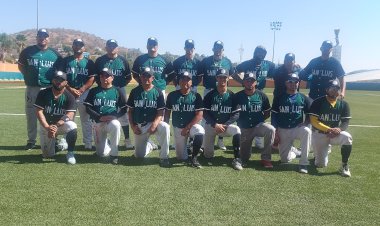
point(37, 15)
point(275, 26)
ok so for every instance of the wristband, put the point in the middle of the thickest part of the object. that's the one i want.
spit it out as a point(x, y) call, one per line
point(65, 118)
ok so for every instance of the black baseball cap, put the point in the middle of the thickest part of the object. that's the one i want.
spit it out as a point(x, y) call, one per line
point(290, 57)
point(60, 76)
point(250, 75)
point(222, 72)
point(334, 83)
point(42, 32)
point(112, 43)
point(78, 42)
point(189, 44)
point(218, 45)
point(106, 72)
point(293, 77)
point(185, 74)
point(147, 72)
point(152, 41)
point(327, 44)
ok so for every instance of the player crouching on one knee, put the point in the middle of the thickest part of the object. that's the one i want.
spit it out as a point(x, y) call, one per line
point(146, 108)
point(330, 117)
point(220, 113)
point(55, 109)
point(187, 108)
point(288, 113)
point(105, 104)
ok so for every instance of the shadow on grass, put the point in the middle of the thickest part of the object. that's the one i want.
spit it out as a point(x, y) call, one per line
point(16, 148)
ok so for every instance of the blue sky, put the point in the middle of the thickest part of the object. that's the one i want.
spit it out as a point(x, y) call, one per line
point(305, 24)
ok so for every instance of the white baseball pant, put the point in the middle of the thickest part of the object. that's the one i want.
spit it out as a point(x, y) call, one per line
point(102, 129)
point(209, 138)
point(181, 141)
point(31, 93)
point(85, 120)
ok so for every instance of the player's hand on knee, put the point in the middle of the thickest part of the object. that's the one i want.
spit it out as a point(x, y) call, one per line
point(136, 129)
point(152, 129)
point(185, 131)
point(219, 128)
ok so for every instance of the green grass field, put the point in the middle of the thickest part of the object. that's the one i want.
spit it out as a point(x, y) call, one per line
point(139, 192)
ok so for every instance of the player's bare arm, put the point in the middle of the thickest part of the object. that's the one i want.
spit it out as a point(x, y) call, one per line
point(134, 126)
point(152, 129)
point(197, 118)
point(343, 86)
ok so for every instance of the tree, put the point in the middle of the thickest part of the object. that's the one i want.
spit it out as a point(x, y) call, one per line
point(5, 45)
point(20, 42)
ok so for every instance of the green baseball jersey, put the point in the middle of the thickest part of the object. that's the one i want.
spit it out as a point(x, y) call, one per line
point(208, 68)
point(262, 70)
point(54, 109)
point(183, 107)
point(289, 110)
point(251, 108)
point(78, 72)
point(219, 106)
point(102, 102)
point(161, 68)
point(145, 104)
point(183, 64)
point(119, 68)
point(328, 114)
point(38, 66)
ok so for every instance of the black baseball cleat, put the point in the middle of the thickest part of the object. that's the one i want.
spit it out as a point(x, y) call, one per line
point(29, 146)
point(114, 160)
point(164, 163)
point(195, 163)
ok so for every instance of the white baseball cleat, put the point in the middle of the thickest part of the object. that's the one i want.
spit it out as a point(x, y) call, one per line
point(221, 145)
point(237, 164)
point(128, 144)
point(259, 142)
point(70, 158)
point(345, 170)
point(154, 146)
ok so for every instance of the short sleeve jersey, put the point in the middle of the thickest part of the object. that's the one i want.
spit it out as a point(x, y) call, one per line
point(251, 108)
point(183, 107)
point(220, 106)
point(182, 64)
point(78, 71)
point(105, 101)
point(209, 67)
point(322, 72)
point(39, 66)
point(290, 109)
point(119, 68)
point(145, 104)
point(328, 114)
point(263, 70)
point(54, 109)
point(161, 68)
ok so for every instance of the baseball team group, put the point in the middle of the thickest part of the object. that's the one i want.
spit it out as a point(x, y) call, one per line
point(56, 88)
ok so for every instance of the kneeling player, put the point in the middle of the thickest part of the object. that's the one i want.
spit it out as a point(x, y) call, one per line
point(330, 117)
point(220, 114)
point(187, 108)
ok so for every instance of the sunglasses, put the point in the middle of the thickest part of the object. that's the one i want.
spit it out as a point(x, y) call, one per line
point(292, 81)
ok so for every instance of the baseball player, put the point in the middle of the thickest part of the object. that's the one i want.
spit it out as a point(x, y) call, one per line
point(329, 116)
point(162, 69)
point(220, 113)
point(122, 76)
point(187, 63)
point(55, 109)
point(146, 107)
point(37, 64)
point(80, 77)
point(105, 104)
point(281, 74)
point(187, 108)
point(208, 68)
point(262, 69)
point(289, 114)
point(323, 69)
point(254, 110)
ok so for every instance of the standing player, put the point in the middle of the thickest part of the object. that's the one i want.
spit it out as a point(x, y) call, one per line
point(262, 69)
point(55, 109)
point(220, 113)
point(122, 76)
point(105, 104)
point(282, 73)
point(146, 108)
point(80, 77)
point(329, 116)
point(187, 108)
point(323, 69)
point(162, 69)
point(187, 63)
point(209, 67)
point(288, 112)
point(37, 64)
point(254, 110)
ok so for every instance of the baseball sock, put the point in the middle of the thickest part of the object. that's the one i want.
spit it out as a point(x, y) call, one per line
point(220, 138)
point(236, 145)
point(71, 138)
point(197, 144)
point(126, 131)
point(345, 151)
